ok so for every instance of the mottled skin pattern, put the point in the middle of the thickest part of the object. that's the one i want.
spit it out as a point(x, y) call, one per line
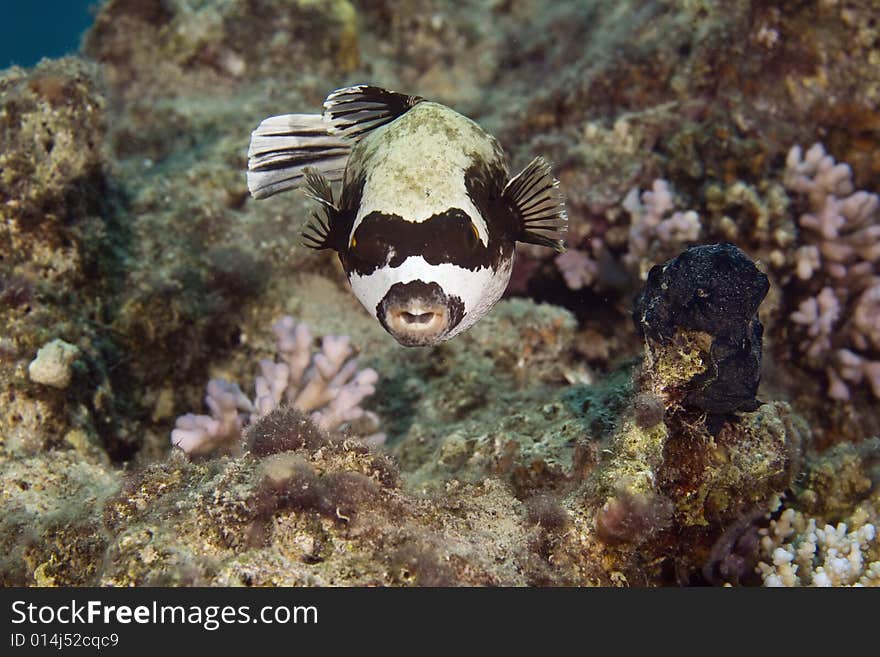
point(415, 166)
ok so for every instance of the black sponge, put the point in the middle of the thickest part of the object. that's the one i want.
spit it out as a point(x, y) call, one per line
point(715, 289)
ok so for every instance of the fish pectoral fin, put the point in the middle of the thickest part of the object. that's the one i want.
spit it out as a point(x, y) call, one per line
point(355, 111)
point(319, 232)
point(283, 147)
point(536, 201)
point(318, 188)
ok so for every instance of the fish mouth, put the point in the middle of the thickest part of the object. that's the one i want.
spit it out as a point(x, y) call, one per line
point(419, 314)
point(417, 325)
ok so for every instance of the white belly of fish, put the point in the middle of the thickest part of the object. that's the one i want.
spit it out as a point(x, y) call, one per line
point(479, 290)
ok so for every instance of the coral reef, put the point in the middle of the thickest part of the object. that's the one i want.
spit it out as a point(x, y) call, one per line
point(796, 551)
point(651, 231)
point(557, 442)
point(51, 532)
point(837, 480)
point(821, 533)
point(839, 256)
point(445, 422)
point(662, 496)
point(61, 249)
point(578, 268)
point(698, 314)
point(327, 384)
point(305, 508)
point(685, 464)
point(177, 46)
point(669, 481)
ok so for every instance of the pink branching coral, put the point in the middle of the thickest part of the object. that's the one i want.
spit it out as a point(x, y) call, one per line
point(656, 233)
point(650, 227)
point(579, 269)
point(839, 255)
point(326, 385)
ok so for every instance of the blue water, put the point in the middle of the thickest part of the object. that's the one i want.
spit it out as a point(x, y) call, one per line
point(30, 31)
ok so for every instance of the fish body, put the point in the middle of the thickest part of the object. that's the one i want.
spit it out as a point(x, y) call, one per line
point(428, 216)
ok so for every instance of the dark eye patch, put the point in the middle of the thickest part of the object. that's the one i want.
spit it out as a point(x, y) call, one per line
point(446, 237)
point(370, 245)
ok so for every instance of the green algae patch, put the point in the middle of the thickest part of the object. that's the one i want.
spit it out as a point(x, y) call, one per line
point(599, 405)
point(51, 530)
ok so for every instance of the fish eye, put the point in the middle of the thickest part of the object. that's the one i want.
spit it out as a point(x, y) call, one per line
point(369, 245)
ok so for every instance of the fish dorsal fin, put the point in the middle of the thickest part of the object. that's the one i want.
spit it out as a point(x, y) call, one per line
point(283, 147)
point(319, 233)
point(355, 111)
point(536, 201)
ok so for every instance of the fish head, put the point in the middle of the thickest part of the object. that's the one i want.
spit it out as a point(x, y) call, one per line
point(425, 282)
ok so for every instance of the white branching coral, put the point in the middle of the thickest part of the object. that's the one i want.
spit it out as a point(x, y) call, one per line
point(800, 551)
point(650, 226)
point(839, 254)
point(327, 385)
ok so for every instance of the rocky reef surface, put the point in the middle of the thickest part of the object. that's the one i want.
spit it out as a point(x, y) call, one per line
point(625, 416)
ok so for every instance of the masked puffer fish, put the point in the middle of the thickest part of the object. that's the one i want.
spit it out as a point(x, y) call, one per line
point(428, 215)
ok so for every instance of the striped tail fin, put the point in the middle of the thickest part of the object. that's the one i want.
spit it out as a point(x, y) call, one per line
point(283, 147)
